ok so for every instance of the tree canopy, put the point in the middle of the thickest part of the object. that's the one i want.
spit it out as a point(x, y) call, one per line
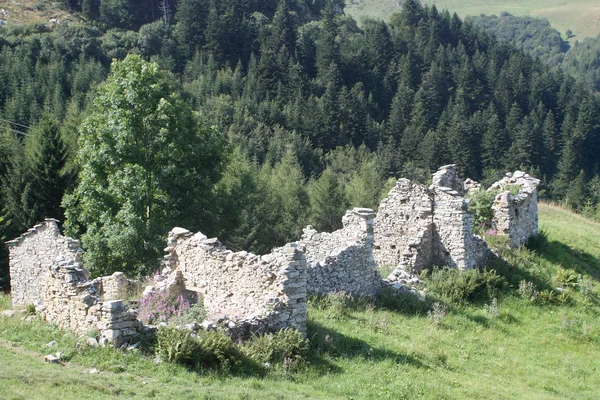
point(146, 163)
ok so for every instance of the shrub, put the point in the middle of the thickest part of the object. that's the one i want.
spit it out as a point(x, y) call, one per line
point(528, 291)
point(176, 345)
point(481, 206)
point(287, 344)
point(161, 306)
point(458, 286)
point(216, 350)
point(567, 278)
point(437, 314)
point(30, 309)
point(554, 297)
point(196, 313)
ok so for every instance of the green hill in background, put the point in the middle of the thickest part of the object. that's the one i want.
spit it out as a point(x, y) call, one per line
point(580, 16)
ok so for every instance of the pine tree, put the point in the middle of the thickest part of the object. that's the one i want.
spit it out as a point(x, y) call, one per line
point(46, 157)
point(494, 142)
point(327, 202)
point(551, 142)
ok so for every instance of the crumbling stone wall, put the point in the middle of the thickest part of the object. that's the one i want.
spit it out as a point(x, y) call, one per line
point(343, 260)
point(72, 302)
point(265, 292)
point(515, 208)
point(417, 227)
point(46, 270)
point(32, 256)
point(403, 225)
point(117, 286)
point(456, 245)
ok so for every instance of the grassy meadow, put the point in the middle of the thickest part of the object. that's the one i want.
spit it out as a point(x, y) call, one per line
point(580, 16)
point(536, 344)
point(34, 12)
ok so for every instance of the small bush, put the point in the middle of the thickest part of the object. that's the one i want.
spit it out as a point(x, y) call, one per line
point(554, 297)
point(480, 203)
point(458, 286)
point(216, 350)
point(176, 346)
point(528, 291)
point(437, 314)
point(287, 344)
point(30, 309)
point(196, 313)
point(567, 278)
point(513, 189)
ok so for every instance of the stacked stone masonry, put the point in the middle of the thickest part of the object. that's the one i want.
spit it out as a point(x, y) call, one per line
point(257, 293)
point(342, 261)
point(415, 227)
point(46, 271)
point(515, 208)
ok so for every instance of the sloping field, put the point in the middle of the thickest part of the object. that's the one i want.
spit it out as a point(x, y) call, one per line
point(20, 12)
point(580, 16)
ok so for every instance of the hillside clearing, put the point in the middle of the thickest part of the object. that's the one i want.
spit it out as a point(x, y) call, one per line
point(580, 16)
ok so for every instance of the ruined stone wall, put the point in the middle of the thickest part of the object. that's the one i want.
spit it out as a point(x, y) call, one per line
point(515, 208)
point(31, 257)
point(417, 227)
point(343, 260)
point(265, 292)
point(456, 245)
point(117, 286)
point(72, 302)
point(46, 270)
point(403, 224)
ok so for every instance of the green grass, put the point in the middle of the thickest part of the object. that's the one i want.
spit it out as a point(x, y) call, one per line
point(361, 350)
point(35, 11)
point(581, 16)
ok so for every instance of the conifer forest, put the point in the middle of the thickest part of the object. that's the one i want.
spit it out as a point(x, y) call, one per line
point(248, 120)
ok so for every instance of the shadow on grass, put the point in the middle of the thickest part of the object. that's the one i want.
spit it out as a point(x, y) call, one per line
point(566, 256)
point(326, 342)
point(514, 274)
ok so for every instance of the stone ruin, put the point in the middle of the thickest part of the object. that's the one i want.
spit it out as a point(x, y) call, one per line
point(342, 261)
point(515, 208)
point(418, 226)
point(46, 271)
point(415, 227)
point(253, 293)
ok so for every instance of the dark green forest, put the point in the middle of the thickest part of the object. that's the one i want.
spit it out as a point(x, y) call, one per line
point(537, 37)
point(248, 120)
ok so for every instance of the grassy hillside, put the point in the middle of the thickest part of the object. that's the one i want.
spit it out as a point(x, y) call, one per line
point(510, 347)
point(33, 11)
point(581, 16)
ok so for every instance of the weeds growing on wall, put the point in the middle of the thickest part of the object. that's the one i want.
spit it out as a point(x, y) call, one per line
point(480, 203)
